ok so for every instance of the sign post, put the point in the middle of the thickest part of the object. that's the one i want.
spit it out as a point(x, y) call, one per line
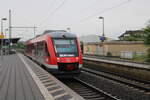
point(102, 38)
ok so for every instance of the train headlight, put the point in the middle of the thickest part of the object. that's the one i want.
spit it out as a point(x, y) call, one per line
point(77, 58)
point(47, 59)
point(58, 59)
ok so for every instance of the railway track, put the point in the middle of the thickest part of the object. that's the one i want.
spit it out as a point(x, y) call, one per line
point(94, 92)
point(130, 82)
point(87, 91)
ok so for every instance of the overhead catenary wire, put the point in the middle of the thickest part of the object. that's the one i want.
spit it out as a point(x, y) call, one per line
point(92, 5)
point(53, 12)
point(106, 10)
point(86, 18)
point(51, 5)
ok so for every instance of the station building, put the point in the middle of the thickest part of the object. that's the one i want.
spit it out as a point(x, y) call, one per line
point(124, 49)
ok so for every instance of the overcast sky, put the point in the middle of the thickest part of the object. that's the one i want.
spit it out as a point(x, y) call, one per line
point(80, 15)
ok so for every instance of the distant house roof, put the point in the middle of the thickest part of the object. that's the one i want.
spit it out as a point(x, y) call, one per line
point(131, 32)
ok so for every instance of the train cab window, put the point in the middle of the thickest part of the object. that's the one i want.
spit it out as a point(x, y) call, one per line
point(65, 47)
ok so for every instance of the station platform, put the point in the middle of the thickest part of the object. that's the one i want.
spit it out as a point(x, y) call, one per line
point(22, 79)
point(118, 62)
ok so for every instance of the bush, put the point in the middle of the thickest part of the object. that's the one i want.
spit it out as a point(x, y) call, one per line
point(109, 54)
point(140, 58)
point(147, 40)
point(148, 56)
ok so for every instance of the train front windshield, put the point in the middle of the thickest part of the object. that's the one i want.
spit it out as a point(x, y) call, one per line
point(65, 47)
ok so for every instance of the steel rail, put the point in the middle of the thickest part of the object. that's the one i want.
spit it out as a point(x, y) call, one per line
point(130, 82)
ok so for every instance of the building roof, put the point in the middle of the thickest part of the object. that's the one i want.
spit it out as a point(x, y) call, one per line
point(132, 32)
point(13, 40)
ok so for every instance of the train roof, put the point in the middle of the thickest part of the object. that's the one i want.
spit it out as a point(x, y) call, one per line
point(59, 34)
point(49, 31)
point(52, 34)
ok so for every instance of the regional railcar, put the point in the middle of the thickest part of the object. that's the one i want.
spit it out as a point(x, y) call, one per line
point(58, 50)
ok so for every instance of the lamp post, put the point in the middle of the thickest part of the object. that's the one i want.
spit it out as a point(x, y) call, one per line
point(2, 34)
point(103, 34)
point(5, 32)
point(103, 25)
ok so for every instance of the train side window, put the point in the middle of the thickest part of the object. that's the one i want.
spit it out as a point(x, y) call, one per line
point(46, 51)
point(35, 48)
point(40, 49)
point(32, 50)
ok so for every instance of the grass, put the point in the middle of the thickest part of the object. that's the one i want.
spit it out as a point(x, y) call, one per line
point(140, 58)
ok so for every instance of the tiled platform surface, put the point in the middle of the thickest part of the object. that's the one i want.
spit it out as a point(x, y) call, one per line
point(56, 89)
point(15, 81)
point(22, 79)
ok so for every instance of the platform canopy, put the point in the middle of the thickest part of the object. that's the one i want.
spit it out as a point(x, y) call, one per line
point(13, 40)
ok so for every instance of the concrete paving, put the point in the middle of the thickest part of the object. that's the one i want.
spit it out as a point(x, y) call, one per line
point(16, 82)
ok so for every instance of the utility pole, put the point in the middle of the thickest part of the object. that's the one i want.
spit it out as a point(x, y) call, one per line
point(34, 31)
point(6, 50)
point(10, 30)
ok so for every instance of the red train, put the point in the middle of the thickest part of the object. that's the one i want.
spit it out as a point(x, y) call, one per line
point(58, 50)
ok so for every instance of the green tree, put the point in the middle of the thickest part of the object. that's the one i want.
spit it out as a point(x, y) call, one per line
point(20, 45)
point(147, 39)
point(134, 37)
